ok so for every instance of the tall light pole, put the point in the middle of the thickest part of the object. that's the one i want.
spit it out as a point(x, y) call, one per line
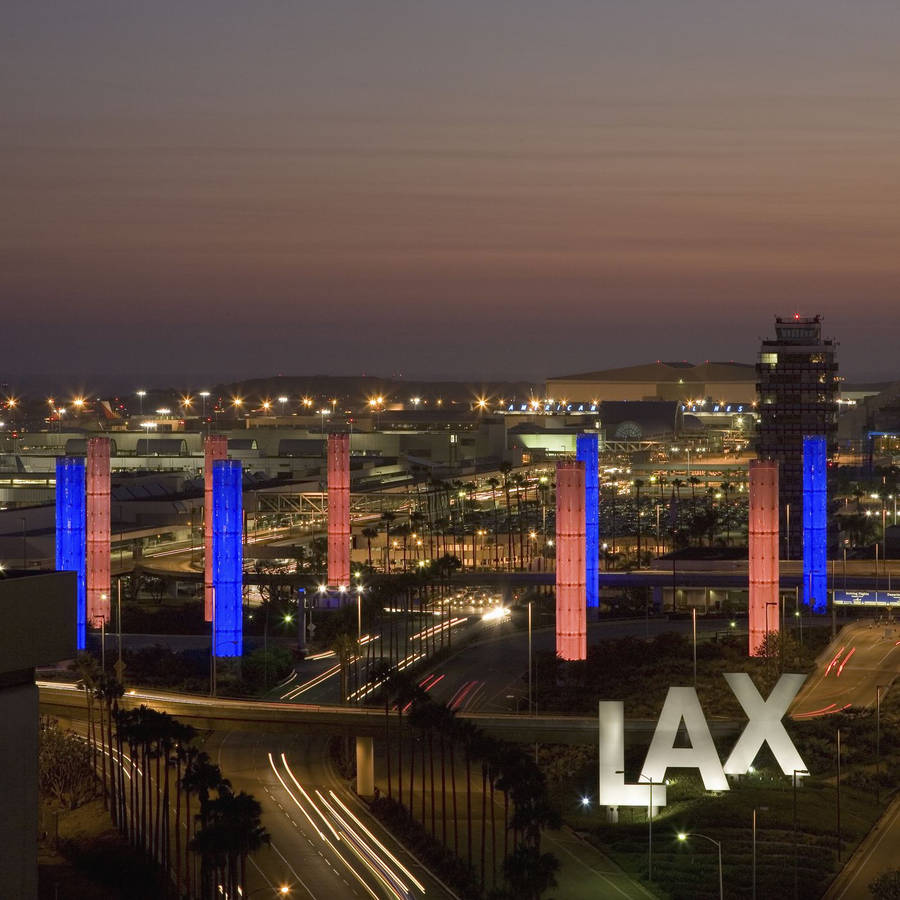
point(878, 689)
point(694, 628)
point(141, 395)
point(103, 598)
point(203, 396)
point(838, 785)
point(530, 707)
point(120, 666)
point(212, 645)
point(768, 642)
point(796, 773)
point(683, 836)
point(651, 782)
point(754, 848)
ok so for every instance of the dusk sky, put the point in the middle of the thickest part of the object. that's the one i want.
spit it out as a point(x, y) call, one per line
point(458, 189)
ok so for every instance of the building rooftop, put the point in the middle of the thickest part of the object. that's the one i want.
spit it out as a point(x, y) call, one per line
point(670, 371)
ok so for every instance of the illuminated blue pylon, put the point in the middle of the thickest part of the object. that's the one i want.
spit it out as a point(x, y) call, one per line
point(228, 557)
point(586, 451)
point(70, 534)
point(815, 524)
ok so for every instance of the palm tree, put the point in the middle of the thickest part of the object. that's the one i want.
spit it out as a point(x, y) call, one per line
point(345, 647)
point(505, 469)
point(200, 777)
point(530, 873)
point(693, 481)
point(416, 523)
point(726, 489)
point(108, 691)
point(88, 671)
point(638, 484)
point(467, 735)
point(368, 534)
point(387, 517)
point(185, 756)
point(319, 548)
point(494, 484)
point(521, 483)
point(403, 531)
point(232, 831)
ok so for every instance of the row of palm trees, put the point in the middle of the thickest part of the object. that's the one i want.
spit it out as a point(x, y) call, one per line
point(445, 514)
point(449, 518)
point(150, 770)
point(410, 617)
point(424, 777)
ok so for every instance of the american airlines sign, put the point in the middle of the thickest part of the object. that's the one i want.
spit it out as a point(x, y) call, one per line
point(764, 726)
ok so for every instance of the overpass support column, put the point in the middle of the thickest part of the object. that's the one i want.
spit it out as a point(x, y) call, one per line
point(365, 767)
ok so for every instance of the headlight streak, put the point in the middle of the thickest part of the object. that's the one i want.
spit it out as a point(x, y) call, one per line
point(309, 799)
point(359, 853)
point(354, 840)
point(315, 827)
point(396, 861)
point(287, 680)
point(290, 794)
point(436, 629)
point(308, 685)
point(364, 691)
point(351, 838)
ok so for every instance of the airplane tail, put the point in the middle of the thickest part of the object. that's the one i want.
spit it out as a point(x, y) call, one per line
point(108, 413)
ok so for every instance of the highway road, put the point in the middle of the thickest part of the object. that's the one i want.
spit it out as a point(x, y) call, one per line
point(863, 655)
point(324, 844)
point(878, 852)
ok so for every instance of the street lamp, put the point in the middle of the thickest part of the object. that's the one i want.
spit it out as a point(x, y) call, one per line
point(683, 836)
point(878, 689)
point(754, 847)
point(141, 395)
point(281, 891)
point(796, 773)
point(768, 642)
point(651, 782)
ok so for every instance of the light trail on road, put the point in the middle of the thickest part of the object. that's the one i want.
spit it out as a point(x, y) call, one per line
point(351, 843)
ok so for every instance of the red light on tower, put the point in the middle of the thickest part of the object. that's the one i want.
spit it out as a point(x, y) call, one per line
point(215, 447)
point(97, 530)
point(571, 587)
point(339, 509)
point(764, 606)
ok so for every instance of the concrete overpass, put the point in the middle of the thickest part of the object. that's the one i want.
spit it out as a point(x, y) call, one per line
point(65, 701)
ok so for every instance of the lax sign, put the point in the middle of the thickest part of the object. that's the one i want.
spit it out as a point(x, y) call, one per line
point(765, 726)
